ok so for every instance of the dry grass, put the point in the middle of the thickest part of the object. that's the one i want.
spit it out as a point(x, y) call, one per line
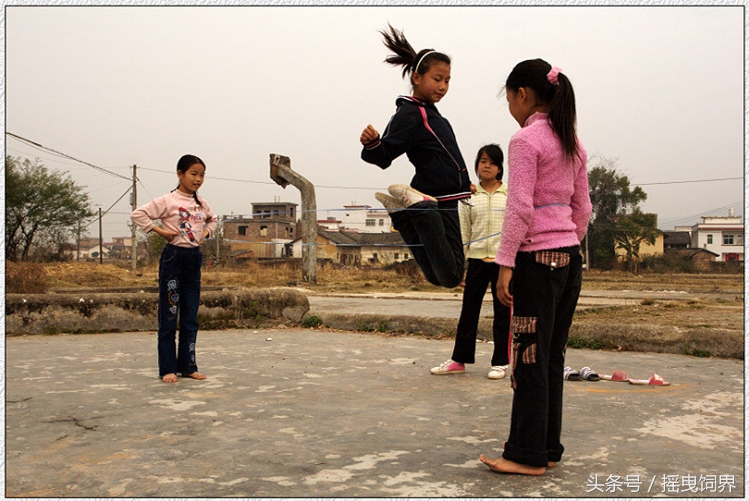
point(31, 277)
point(25, 278)
point(73, 275)
point(90, 274)
point(695, 282)
point(704, 313)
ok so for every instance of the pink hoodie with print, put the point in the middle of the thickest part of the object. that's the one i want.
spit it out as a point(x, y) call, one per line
point(178, 213)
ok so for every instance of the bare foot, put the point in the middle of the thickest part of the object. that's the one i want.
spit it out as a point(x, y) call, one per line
point(170, 378)
point(502, 465)
point(196, 375)
point(550, 464)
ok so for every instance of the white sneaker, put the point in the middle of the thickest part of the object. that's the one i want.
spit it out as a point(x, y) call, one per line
point(390, 203)
point(498, 372)
point(407, 195)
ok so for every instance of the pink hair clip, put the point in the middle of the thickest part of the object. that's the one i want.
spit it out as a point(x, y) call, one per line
point(553, 75)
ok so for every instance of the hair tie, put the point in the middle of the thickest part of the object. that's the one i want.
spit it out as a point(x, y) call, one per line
point(422, 58)
point(553, 75)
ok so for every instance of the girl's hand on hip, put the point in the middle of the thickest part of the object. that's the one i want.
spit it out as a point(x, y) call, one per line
point(166, 235)
point(368, 135)
point(503, 286)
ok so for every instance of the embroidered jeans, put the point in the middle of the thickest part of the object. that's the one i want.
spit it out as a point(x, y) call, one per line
point(545, 288)
point(179, 297)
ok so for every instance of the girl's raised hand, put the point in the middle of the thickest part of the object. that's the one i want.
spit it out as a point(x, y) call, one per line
point(368, 135)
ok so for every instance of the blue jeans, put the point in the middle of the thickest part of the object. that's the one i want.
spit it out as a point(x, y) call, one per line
point(481, 274)
point(544, 301)
point(432, 233)
point(179, 297)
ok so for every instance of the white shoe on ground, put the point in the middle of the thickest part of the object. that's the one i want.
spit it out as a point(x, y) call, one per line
point(498, 372)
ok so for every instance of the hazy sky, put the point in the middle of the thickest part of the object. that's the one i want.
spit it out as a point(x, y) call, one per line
point(660, 90)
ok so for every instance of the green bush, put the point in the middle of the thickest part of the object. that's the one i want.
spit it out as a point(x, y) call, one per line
point(584, 343)
point(311, 322)
point(666, 263)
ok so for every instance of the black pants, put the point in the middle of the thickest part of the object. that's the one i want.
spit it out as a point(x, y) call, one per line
point(544, 301)
point(479, 275)
point(432, 233)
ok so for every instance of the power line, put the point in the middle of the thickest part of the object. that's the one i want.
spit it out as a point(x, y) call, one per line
point(370, 188)
point(690, 218)
point(693, 181)
point(37, 145)
point(145, 189)
point(268, 182)
point(24, 153)
point(110, 207)
point(212, 177)
point(101, 169)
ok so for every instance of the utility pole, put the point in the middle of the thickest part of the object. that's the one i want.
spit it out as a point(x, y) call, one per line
point(101, 242)
point(218, 239)
point(78, 243)
point(134, 205)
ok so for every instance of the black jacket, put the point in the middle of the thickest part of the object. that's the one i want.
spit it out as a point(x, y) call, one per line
point(440, 169)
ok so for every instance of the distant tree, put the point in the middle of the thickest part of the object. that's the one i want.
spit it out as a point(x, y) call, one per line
point(632, 231)
point(612, 198)
point(39, 205)
point(53, 246)
point(217, 247)
point(155, 244)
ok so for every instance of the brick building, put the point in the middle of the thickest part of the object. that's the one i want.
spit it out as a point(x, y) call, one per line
point(269, 222)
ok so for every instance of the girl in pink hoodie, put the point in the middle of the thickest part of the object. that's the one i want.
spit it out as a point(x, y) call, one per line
point(547, 214)
point(186, 220)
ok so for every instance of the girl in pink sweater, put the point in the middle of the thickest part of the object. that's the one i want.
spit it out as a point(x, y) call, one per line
point(547, 214)
point(186, 220)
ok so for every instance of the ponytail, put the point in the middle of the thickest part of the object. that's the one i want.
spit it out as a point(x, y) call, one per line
point(563, 116)
point(554, 89)
point(405, 55)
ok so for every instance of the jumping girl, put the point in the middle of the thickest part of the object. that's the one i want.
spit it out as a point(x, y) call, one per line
point(548, 209)
point(186, 220)
point(425, 213)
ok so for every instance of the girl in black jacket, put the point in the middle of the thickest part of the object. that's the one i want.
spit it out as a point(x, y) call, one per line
point(425, 213)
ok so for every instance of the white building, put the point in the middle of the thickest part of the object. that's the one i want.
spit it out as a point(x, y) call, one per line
point(723, 235)
point(330, 224)
point(366, 219)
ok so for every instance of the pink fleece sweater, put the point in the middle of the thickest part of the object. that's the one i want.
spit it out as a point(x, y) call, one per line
point(179, 213)
point(548, 205)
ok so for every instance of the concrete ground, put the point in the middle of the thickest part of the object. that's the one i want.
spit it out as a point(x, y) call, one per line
point(315, 413)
